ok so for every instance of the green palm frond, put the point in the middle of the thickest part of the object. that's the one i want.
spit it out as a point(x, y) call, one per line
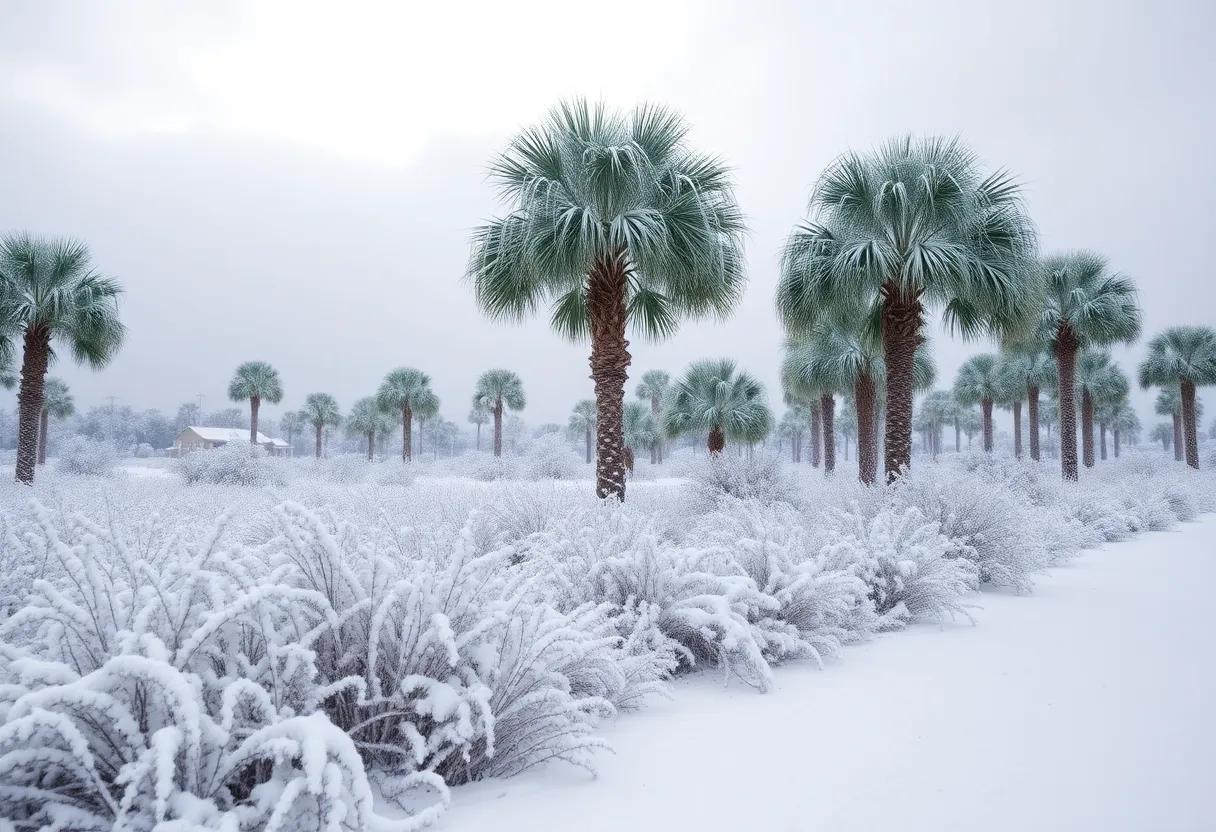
point(256, 379)
point(979, 380)
point(715, 394)
point(498, 385)
point(1079, 291)
point(653, 385)
point(1180, 353)
point(57, 400)
point(366, 417)
point(320, 410)
point(583, 417)
point(401, 388)
point(640, 428)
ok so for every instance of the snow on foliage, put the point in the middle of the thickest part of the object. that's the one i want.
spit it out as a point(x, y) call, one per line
point(274, 644)
point(86, 457)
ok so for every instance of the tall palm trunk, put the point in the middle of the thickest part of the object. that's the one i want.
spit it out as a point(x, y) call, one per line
point(371, 445)
point(1032, 416)
point(30, 398)
point(986, 407)
point(1087, 429)
point(1115, 433)
point(846, 447)
point(421, 422)
point(587, 437)
point(827, 404)
point(1189, 427)
point(1017, 430)
point(629, 459)
point(407, 427)
point(44, 424)
point(254, 403)
point(1066, 365)
point(497, 427)
point(1102, 441)
point(1177, 417)
point(900, 322)
point(656, 452)
point(716, 441)
point(609, 371)
point(865, 400)
point(816, 433)
point(479, 436)
point(958, 438)
point(319, 427)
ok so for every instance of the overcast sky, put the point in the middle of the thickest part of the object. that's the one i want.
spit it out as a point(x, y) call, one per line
point(296, 181)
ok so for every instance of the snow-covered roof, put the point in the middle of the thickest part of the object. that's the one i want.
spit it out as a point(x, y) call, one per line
point(233, 435)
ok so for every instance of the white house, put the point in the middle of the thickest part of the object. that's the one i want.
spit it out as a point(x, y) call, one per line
point(197, 438)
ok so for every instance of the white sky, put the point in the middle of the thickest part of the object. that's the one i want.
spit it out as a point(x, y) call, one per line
point(295, 181)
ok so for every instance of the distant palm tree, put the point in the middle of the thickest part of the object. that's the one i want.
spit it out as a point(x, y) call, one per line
point(366, 419)
point(1033, 370)
point(1183, 356)
point(913, 225)
point(50, 293)
point(583, 420)
point(846, 423)
point(8, 371)
point(1085, 305)
point(716, 397)
point(979, 381)
point(57, 402)
point(1123, 422)
point(1101, 382)
point(426, 408)
point(397, 395)
point(641, 430)
point(651, 389)
point(496, 389)
point(793, 427)
point(971, 423)
point(321, 411)
point(289, 423)
point(614, 220)
point(938, 410)
point(1169, 403)
point(1164, 434)
point(478, 417)
point(256, 381)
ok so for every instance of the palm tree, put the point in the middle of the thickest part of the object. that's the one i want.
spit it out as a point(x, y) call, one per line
point(8, 373)
point(496, 389)
point(256, 381)
point(715, 397)
point(1164, 434)
point(652, 388)
point(1183, 356)
point(615, 221)
point(289, 423)
point(1101, 382)
point(321, 411)
point(846, 423)
point(912, 226)
point(980, 381)
point(1085, 305)
point(793, 427)
point(641, 431)
point(366, 419)
point(397, 395)
point(426, 407)
point(1169, 403)
point(971, 423)
point(1030, 370)
point(478, 417)
point(1123, 421)
point(57, 402)
point(937, 410)
point(50, 293)
point(583, 420)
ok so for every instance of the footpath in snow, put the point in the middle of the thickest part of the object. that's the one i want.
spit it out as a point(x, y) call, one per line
point(1090, 705)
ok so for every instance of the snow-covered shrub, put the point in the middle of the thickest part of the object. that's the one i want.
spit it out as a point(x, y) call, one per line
point(762, 476)
point(143, 451)
point(86, 457)
point(483, 466)
point(234, 463)
point(550, 457)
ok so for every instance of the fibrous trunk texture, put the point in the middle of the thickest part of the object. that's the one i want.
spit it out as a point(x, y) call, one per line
point(1032, 416)
point(609, 371)
point(1115, 431)
point(1190, 430)
point(29, 399)
point(827, 406)
point(901, 322)
point(479, 436)
point(44, 424)
point(1177, 417)
point(498, 428)
point(1066, 364)
point(371, 445)
point(1102, 441)
point(1017, 429)
point(717, 441)
point(254, 404)
point(866, 401)
point(986, 407)
point(319, 427)
point(816, 434)
point(657, 450)
point(1087, 429)
point(958, 438)
point(407, 438)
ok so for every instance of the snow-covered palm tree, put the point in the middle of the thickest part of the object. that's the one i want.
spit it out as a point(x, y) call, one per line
point(366, 420)
point(495, 390)
point(1101, 382)
point(583, 421)
point(979, 381)
point(51, 294)
point(426, 408)
point(478, 417)
point(1085, 305)
point(1032, 369)
point(912, 226)
point(321, 411)
point(397, 395)
point(715, 397)
point(641, 430)
point(1124, 423)
point(255, 382)
point(56, 401)
point(1164, 434)
point(1182, 356)
point(615, 221)
point(651, 389)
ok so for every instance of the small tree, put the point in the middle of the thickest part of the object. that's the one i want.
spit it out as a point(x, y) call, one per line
point(366, 420)
point(57, 402)
point(321, 411)
point(478, 417)
point(497, 389)
point(979, 382)
point(652, 389)
point(1163, 433)
point(257, 382)
point(397, 394)
point(1184, 356)
point(641, 431)
point(715, 397)
point(426, 407)
point(583, 420)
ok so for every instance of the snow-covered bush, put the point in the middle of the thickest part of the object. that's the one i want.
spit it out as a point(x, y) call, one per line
point(234, 463)
point(550, 457)
point(143, 451)
point(82, 456)
point(761, 476)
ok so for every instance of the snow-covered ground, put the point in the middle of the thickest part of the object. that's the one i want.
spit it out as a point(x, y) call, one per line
point(1087, 706)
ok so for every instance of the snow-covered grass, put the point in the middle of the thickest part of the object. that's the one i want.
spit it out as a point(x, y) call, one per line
point(269, 645)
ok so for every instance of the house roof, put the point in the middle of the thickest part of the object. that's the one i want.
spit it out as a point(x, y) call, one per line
point(233, 435)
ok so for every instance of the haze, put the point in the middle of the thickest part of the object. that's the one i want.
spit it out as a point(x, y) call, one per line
point(295, 182)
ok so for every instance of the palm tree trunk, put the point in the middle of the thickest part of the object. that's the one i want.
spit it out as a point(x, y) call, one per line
point(900, 322)
point(629, 459)
point(1032, 416)
point(816, 434)
point(655, 407)
point(421, 422)
point(1102, 441)
point(497, 427)
point(254, 403)
point(827, 406)
point(1017, 430)
point(371, 445)
point(846, 447)
point(319, 427)
point(865, 400)
point(717, 441)
point(587, 437)
point(407, 439)
point(1116, 432)
point(1087, 429)
point(958, 439)
point(1177, 417)
point(986, 407)
point(1066, 365)
point(609, 371)
point(34, 362)
point(1190, 428)
point(44, 424)
point(479, 436)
